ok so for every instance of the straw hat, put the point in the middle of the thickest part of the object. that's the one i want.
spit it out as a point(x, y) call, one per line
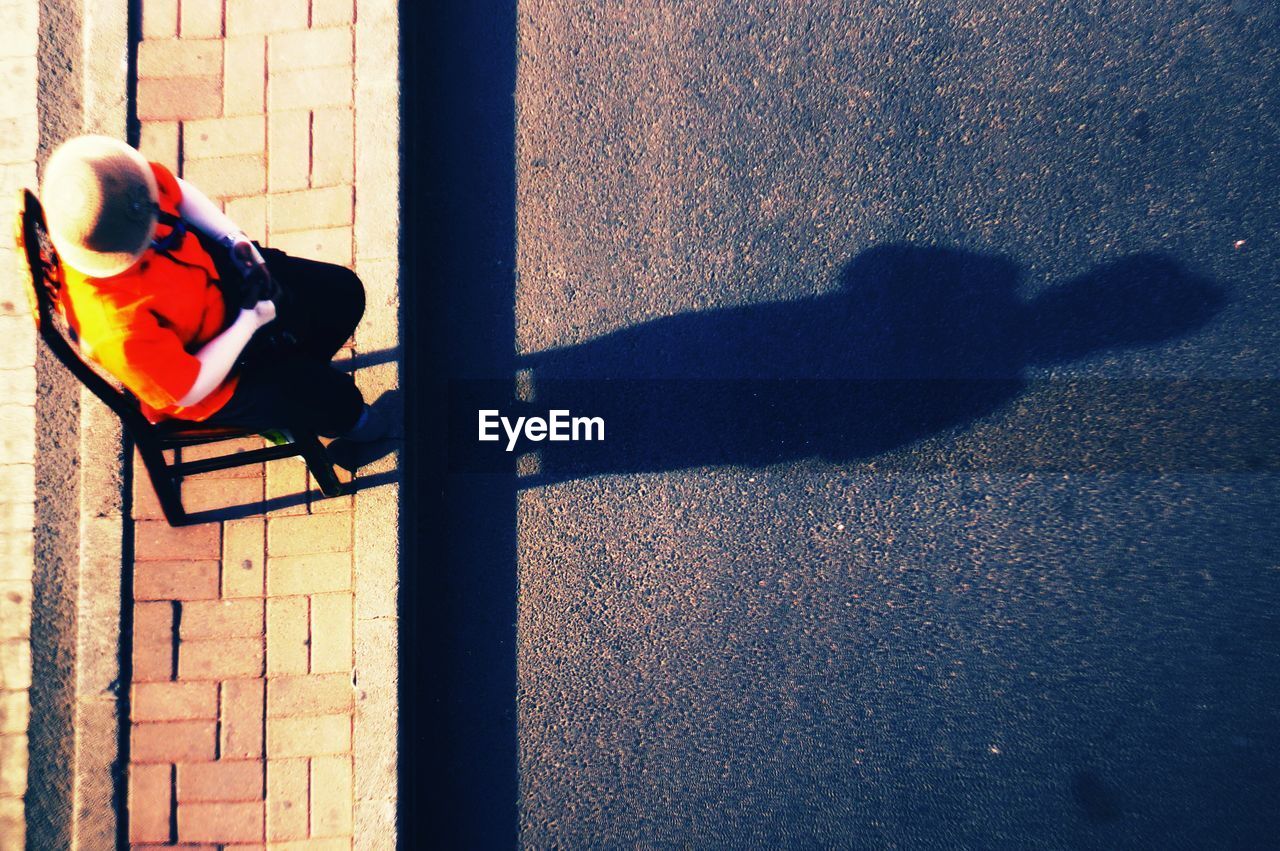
point(100, 199)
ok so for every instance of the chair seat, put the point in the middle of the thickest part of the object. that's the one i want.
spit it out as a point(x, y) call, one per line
point(191, 432)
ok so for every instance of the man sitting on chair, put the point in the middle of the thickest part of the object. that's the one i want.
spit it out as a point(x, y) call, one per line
point(210, 330)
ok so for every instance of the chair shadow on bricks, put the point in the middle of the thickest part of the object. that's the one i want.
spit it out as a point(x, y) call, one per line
point(283, 486)
point(259, 493)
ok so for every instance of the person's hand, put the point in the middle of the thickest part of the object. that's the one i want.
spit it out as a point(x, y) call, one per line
point(246, 256)
point(253, 269)
point(263, 312)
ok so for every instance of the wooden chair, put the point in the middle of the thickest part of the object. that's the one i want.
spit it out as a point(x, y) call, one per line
point(152, 440)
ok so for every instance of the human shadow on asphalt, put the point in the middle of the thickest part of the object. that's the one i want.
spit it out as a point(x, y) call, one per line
point(915, 341)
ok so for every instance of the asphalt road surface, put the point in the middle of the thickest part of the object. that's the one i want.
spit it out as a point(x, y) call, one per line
point(937, 506)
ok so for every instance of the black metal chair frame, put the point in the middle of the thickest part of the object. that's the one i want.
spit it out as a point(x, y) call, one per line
point(151, 440)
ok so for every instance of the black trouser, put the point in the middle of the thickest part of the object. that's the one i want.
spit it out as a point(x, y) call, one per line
point(290, 382)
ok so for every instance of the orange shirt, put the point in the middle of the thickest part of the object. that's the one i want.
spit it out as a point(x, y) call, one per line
point(144, 324)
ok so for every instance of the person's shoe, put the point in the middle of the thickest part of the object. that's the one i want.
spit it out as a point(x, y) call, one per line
point(351, 456)
point(372, 425)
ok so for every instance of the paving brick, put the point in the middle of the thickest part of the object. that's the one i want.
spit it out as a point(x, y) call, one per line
point(332, 147)
point(316, 573)
point(17, 519)
point(331, 797)
point(228, 447)
point(327, 13)
point(174, 580)
point(315, 48)
point(325, 844)
point(250, 214)
point(149, 799)
point(308, 735)
point(13, 303)
point(173, 741)
point(15, 609)
point(18, 386)
point(331, 633)
point(221, 822)
point(224, 780)
point(146, 505)
point(310, 88)
point(22, 25)
point(15, 665)
point(315, 694)
point(288, 149)
point(15, 711)
point(242, 715)
point(255, 16)
point(158, 541)
point(220, 659)
point(179, 58)
point(329, 245)
point(174, 702)
point(17, 342)
point(158, 142)
point(18, 86)
point(13, 764)
point(179, 97)
point(200, 19)
point(13, 824)
point(288, 791)
point(160, 19)
point(288, 635)
point(153, 642)
point(310, 209)
point(153, 622)
point(207, 494)
point(224, 137)
point(17, 433)
point(20, 136)
point(244, 558)
point(288, 536)
point(246, 75)
point(321, 504)
point(286, 488)
point(227, 177)
point(222, 619)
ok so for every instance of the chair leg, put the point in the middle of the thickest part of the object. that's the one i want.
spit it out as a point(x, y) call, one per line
point(318, 463)
point(167, 491)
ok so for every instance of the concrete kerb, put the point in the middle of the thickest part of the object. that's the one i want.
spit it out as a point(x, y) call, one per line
point(377, 554)
point(99, 710)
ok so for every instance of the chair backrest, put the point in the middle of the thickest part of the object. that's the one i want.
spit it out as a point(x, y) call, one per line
point(44, 289)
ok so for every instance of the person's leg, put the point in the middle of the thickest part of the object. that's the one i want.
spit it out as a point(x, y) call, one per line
point(323, 302)
point(293, 391)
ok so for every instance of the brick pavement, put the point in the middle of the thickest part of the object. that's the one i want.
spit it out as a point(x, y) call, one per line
point(18, 138)
point(244, 706)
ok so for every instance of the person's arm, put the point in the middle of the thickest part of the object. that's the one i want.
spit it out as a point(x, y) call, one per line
point(219, 355)
point(205, 216)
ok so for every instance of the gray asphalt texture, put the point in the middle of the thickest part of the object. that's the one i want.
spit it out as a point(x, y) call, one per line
point(1014, 630)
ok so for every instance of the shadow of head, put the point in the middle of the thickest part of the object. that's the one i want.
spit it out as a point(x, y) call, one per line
point(936, 312)
point(1138, 301)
